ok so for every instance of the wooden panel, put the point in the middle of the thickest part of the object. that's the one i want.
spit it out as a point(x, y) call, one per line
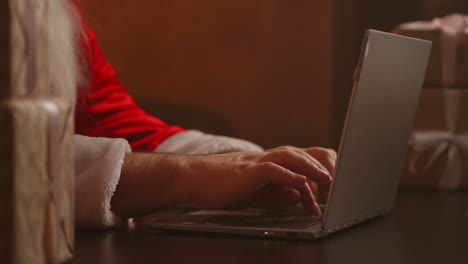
point(6, 187)
point(259, 69)
point(6, 162)
point(275, 72)
point(346, 51)
point(4, 48)
point(438, 8)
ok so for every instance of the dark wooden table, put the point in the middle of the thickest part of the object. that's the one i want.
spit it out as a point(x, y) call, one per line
point(424, 227)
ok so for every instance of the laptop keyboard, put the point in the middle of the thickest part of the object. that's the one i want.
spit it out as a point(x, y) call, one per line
point(285, 220)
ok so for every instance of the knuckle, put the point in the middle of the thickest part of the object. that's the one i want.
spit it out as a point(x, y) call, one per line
point(279, 153)
point(324, 152)
point(332, 153)
point(287, 150)
point(315, 151)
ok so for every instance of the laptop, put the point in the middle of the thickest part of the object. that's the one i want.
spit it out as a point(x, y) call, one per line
point(387, 84)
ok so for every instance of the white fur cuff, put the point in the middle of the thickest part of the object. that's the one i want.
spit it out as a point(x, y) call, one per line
point(98, 162)
point(194, 142)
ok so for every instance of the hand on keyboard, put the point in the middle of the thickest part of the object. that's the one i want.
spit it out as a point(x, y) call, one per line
point(275, 178)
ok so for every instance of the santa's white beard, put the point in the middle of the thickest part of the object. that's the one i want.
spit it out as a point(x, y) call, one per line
point(62, 34)
point(45, 39)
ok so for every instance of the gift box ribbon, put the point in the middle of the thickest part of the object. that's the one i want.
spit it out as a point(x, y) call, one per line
point(56, 233)
point(437, 143)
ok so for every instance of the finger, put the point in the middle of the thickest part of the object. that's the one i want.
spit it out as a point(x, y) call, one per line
point(271, 173)
point(326, 157)
point(279, 197)
point(320, 191)
point(314, 187)
point(308, 200)
point(299, 162)
point(319, 164)
point(272, 196)
point(314, 159)
point(323, 193)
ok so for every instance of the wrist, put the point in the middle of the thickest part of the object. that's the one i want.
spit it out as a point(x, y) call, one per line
point(151, 182)
point(202, 178)
point(188, 177)
point(183, 178)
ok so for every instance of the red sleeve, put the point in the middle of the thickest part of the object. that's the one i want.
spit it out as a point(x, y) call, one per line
point(105, 109)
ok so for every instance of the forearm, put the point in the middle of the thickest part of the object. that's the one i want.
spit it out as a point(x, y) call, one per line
point(150, 182)
point(153, 181)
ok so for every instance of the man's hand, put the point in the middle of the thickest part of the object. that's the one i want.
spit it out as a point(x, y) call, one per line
point(276, 178)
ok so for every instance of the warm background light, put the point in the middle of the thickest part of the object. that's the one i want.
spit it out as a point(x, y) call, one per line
point(272, 71)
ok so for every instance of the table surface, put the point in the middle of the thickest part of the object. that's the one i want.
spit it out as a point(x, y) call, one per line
point(424, 227)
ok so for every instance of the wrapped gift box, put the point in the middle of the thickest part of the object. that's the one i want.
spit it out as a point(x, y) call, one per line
point(39, 175)
point(37, 181)
point(438, 153)
point(449, 49)
point(434, 70)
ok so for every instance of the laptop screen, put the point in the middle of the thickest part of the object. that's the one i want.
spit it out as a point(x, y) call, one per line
point(375, 137)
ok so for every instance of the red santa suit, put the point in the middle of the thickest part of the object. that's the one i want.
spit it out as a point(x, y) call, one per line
point(105, 109)
point(110, 124)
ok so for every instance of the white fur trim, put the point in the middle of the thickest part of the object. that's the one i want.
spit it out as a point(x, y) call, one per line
point(194, 142)
point(98, 162)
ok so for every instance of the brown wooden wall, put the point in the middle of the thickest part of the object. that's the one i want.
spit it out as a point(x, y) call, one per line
point(256, 69)
point(4, 48)
point(272, 71)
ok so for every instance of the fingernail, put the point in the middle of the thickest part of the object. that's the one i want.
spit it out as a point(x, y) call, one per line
point(317, 210)
point(326, 175)
point(300, 179)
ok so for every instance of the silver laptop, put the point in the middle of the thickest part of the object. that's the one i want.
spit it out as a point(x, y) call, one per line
point(387, 84)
